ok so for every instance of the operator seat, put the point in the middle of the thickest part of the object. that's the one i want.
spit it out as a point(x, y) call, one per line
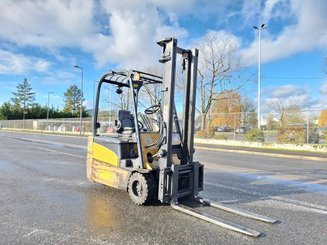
point(125, 124)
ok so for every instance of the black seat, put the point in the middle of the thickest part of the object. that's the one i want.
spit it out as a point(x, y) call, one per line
point(125, 124)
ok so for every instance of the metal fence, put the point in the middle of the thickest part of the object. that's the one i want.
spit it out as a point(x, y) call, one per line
point(60, 125)
point(296, 127)
point(305, 126)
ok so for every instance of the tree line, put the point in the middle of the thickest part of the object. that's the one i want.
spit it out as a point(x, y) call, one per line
point(22, 105)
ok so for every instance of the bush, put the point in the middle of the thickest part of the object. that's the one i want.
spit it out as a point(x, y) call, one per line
point(206, 133)
point(221, 136)
point(255, 135)
point(325, 136)
point(295, 135)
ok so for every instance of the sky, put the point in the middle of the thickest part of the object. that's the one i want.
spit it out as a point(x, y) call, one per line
point(42, 40)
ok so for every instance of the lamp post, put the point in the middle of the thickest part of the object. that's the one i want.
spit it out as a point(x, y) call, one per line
point(93, 109)
point(48, 107)
point(81, 102)
point(259, 29)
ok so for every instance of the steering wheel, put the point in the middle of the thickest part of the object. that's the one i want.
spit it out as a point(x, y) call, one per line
point(152, 109)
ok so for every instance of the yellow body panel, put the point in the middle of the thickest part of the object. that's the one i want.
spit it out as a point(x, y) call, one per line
point(104, 154)
point(103, 166)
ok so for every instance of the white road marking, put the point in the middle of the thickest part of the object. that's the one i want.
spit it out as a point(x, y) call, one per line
point(33, 232)
point(278, 198)
point(61, 153)
point(66, 182)
point(266, 154)
point(277, 204)
point(266, 174)
point(37, 232)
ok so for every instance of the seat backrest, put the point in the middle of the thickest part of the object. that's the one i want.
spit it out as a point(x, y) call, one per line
point(126, 119)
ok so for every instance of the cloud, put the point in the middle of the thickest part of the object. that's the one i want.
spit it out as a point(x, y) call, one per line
point(112, 31)
point(11, 63)
point(288, 90)
point(135, 28)
point(58, 78)
point(46, 24)
point(124, 32)
point(291, 94)
point(307, 33)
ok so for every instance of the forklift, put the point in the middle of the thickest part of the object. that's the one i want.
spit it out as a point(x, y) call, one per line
point(149, 153)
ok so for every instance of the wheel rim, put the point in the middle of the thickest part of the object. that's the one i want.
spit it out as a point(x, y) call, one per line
point(137, 188)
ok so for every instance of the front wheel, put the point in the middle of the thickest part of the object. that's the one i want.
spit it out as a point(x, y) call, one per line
point(142, 188)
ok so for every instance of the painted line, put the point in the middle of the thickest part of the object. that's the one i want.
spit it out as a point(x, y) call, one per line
point(269, 175)
point(38, 233)
point(278, 155)
point(34, 231)
point(260, 194)
point(60, 152)
point(40, 132)
point(47, 141)
point(275, 204)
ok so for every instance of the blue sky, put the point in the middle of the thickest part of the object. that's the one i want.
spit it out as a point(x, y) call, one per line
point(43, 40)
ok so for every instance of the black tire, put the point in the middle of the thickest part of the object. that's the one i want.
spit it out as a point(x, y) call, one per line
point(142, 188)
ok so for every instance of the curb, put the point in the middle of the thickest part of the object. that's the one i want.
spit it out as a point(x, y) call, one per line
point(278, 155)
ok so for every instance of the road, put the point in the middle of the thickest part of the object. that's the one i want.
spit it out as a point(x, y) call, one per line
point(45, 198)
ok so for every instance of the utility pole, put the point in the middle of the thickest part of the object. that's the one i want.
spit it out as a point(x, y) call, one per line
point(259, 29)
point(93, 107)
point(81, 102)
point(48, 107)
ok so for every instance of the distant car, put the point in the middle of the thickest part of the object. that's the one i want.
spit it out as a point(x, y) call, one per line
point(224, 129)
point(241, 130)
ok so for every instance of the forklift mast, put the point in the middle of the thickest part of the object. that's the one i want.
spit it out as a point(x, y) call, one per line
point(186, 176)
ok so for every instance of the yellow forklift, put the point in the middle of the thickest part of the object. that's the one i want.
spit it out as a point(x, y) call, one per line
point(150, 153)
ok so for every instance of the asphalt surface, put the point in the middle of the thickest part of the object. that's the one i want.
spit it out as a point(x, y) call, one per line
point(45, 198)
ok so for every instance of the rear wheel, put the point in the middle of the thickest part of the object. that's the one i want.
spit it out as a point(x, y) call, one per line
point(142, 188)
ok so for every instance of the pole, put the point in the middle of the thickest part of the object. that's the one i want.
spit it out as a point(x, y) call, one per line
point(259, 29)
point(48, 107)
point(81, 102)
point(81, 106)
point(94, 83)
point(259, 80)
point(308, 127)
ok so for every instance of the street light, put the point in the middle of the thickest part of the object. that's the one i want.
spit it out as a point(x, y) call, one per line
point(93, 109)
point(81, 103)
point(48, 107)
point(259, 29)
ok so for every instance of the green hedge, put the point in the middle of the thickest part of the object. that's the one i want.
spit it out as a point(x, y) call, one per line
point(255, 135)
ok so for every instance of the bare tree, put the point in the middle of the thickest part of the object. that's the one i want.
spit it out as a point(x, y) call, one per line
point(249, 115)
point(152, 92)
point(218, 70)
point(277, 106)
point(288, 113)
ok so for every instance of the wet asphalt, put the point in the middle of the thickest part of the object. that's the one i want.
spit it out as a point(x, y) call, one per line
point(45, 198)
